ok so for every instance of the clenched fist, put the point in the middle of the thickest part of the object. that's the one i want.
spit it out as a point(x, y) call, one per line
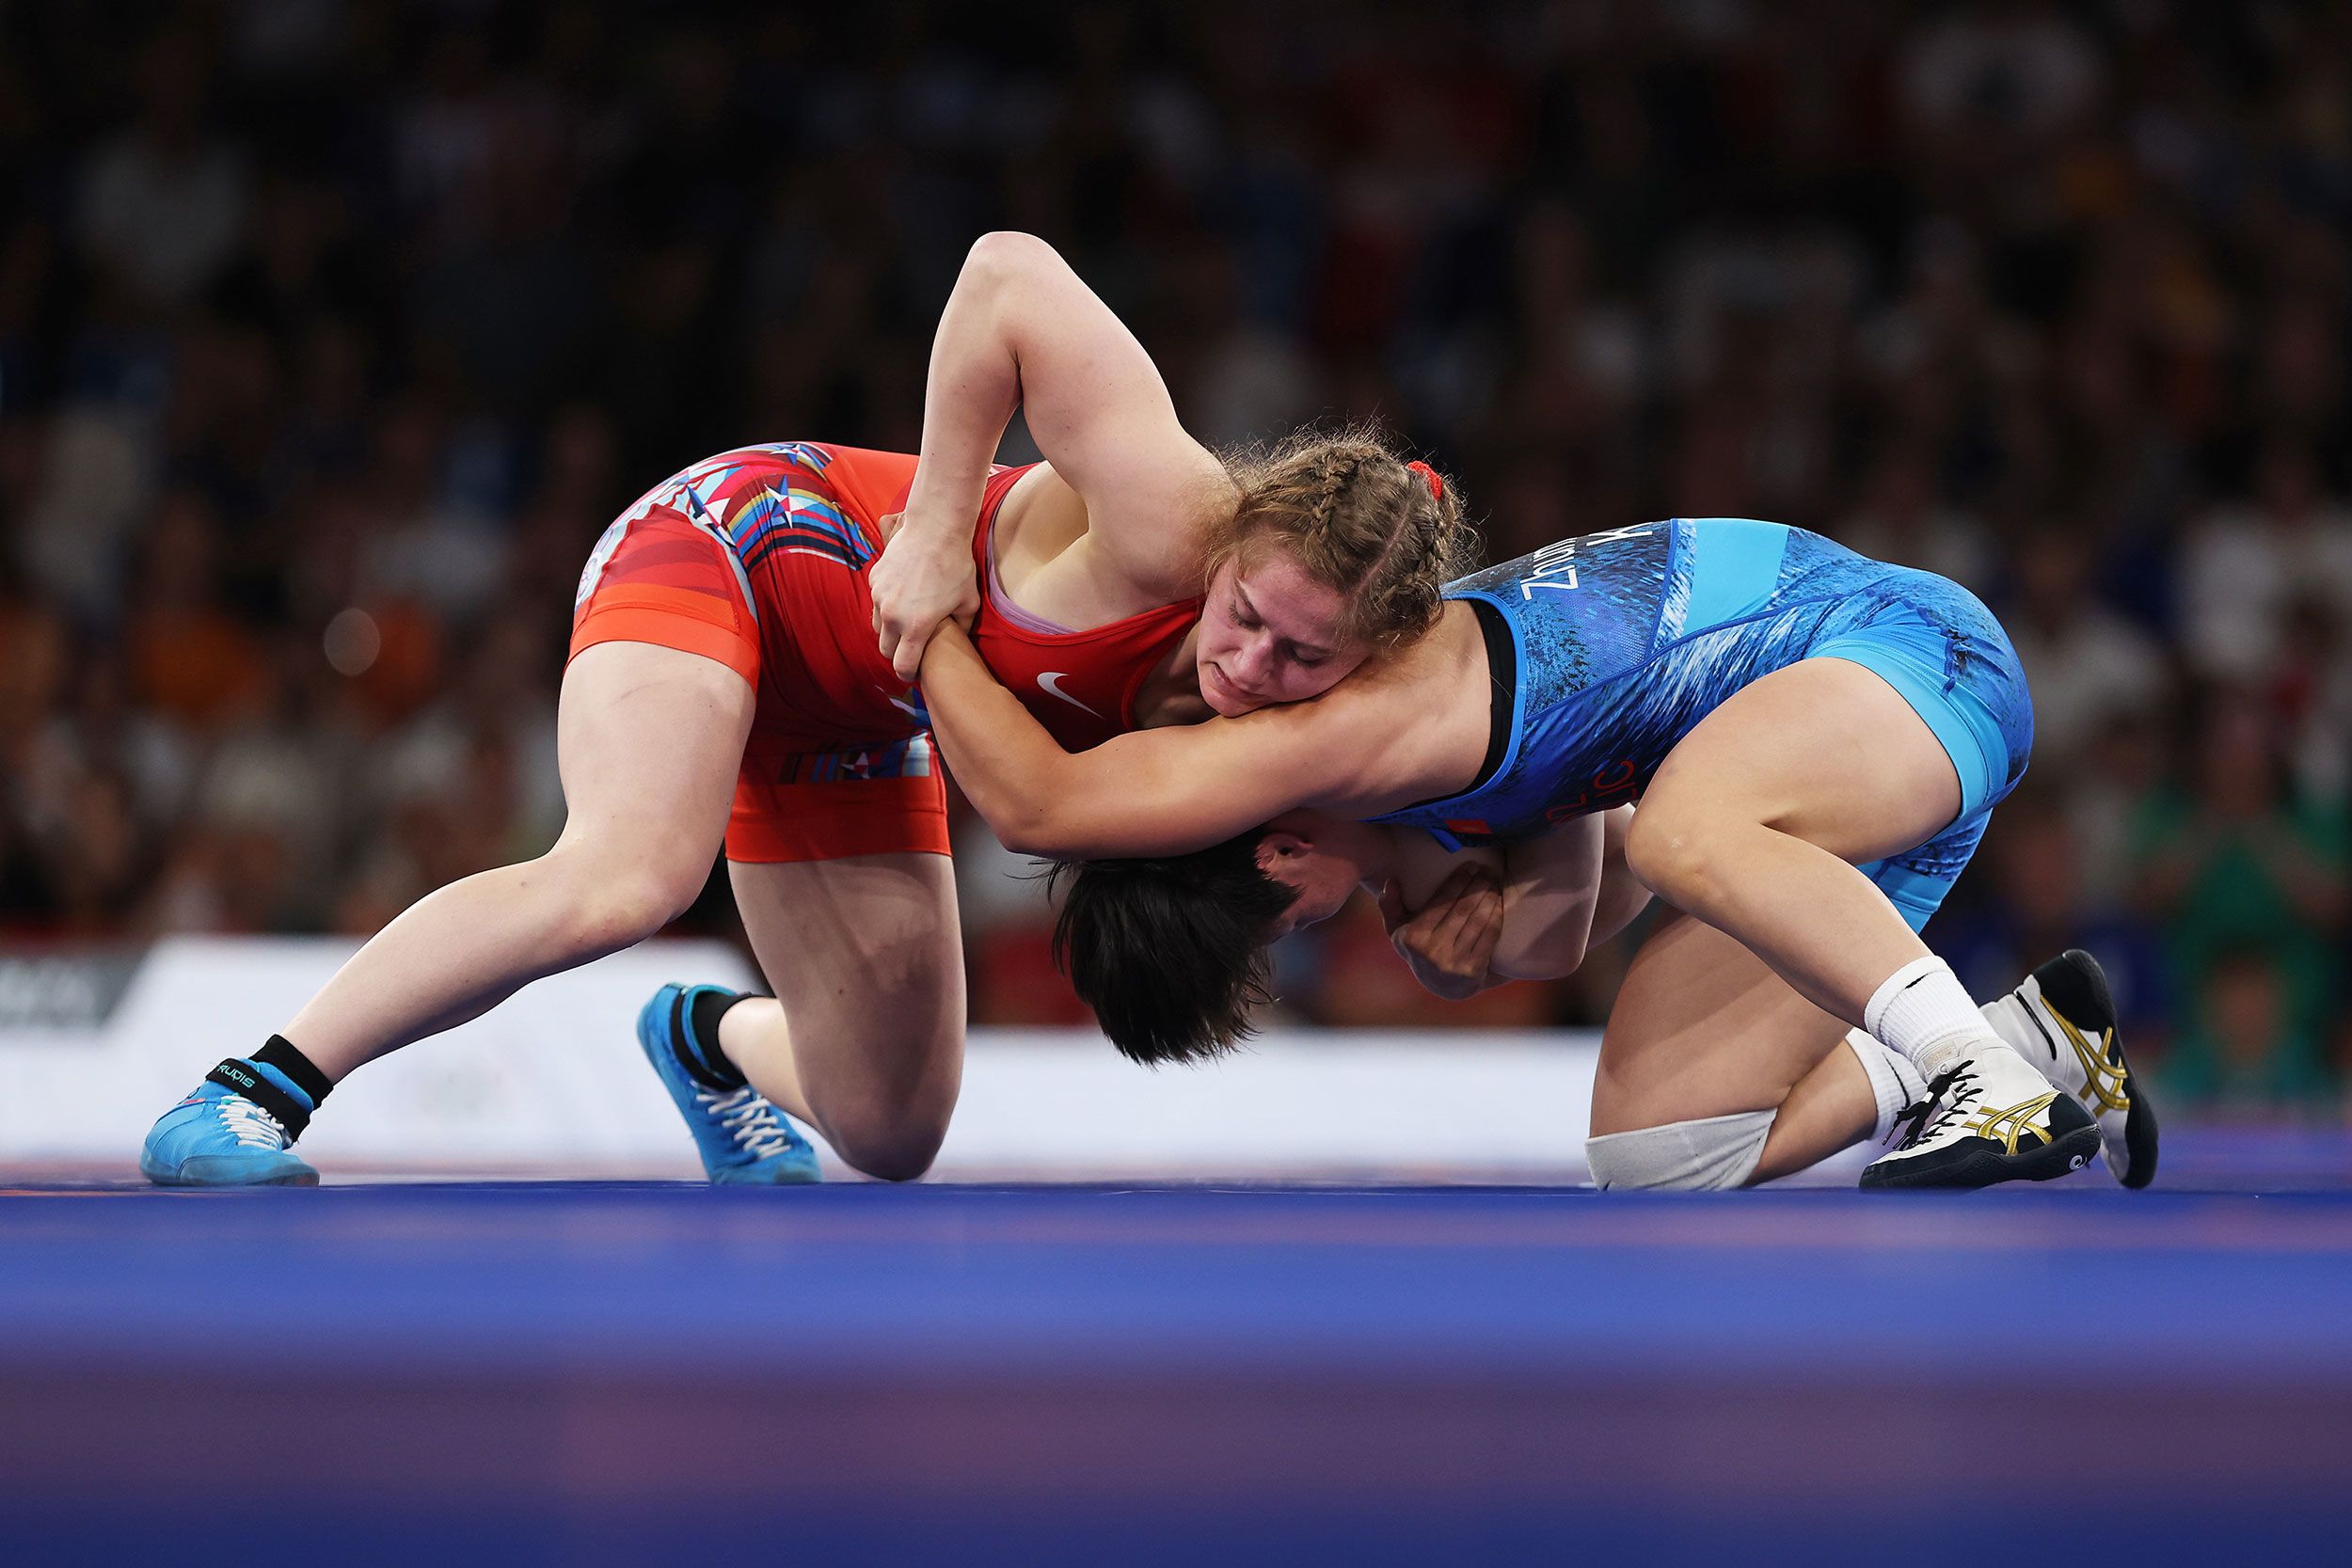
point(923, 577)
point(1450, 941)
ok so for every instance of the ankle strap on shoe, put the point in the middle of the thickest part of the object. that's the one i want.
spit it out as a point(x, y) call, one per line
point(300, 1072)
point(240, 1078)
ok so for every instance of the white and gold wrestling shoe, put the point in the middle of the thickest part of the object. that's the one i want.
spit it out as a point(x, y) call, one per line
point(2063, 1020)
point(1988, 1118)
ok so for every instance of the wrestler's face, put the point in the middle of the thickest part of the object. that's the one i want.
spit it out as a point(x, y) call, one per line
point(1269, 634)
point(1318, 857)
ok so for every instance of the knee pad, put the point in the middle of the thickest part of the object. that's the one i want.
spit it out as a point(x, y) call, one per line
point(1707, 1155)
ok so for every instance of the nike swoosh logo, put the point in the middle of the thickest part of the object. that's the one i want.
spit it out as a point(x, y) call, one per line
point(1049, 680)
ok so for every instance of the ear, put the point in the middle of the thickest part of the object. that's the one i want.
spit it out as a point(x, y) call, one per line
point(1278, 844)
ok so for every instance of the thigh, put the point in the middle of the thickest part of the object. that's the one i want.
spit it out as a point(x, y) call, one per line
point(867, 955)
point(1702, 1028)
point(1825, 750)
point(648, 742)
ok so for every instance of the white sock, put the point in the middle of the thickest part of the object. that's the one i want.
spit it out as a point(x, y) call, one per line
point(1922, 1012)
point(1895, 1084)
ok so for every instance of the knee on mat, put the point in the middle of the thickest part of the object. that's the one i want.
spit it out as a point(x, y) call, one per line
point(1710, 1154)
point(885, 1145)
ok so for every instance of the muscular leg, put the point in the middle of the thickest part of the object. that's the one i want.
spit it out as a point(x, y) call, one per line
point(648, 740)
point(1756, 820)
point(865, 1041)
point(1702, 1027)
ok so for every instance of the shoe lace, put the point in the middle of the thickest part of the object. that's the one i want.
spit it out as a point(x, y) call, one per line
point(250, 1125)
point(1953, 1091)
point(751, 1120)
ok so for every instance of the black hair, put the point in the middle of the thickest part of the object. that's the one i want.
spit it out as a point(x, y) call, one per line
point(1171, 952)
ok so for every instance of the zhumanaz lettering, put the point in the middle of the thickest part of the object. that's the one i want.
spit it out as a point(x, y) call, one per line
point(1555, 564)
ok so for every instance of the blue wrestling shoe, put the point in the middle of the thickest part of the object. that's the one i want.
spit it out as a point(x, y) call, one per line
point(217, 1137)
point(739, 1132)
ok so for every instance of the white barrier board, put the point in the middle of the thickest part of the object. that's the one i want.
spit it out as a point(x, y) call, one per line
point(552, 1083)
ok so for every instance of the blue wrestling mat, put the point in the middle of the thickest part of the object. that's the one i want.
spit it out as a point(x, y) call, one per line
point(581, 1373)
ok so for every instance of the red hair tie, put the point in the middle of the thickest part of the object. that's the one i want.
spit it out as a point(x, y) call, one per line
point(1437, 485)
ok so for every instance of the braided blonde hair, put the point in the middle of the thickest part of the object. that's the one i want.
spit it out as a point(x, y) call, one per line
point(1356, 519)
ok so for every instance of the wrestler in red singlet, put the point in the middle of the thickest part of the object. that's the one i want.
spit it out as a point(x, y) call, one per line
point(757, 558)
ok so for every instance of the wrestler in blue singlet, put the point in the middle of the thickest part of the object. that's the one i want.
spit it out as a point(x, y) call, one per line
point(1614, 645)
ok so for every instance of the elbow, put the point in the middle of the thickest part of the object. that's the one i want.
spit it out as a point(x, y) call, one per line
point(1046, 832)
point(1029, 828)
point(1004, 257)
point(1557, 965)
point(1025, 838)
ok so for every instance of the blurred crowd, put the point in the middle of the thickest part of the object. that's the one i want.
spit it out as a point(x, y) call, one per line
point(333, 331)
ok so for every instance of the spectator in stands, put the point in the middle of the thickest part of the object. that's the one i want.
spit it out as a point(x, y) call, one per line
point(2246, 1055)
point(2232, 863)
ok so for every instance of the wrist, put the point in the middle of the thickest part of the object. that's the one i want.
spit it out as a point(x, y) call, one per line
point(943, 500)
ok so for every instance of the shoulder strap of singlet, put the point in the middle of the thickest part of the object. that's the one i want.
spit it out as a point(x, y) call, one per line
point(1000, 483)
point(1503, 675)
point(1160, 623)
point(1502, 702)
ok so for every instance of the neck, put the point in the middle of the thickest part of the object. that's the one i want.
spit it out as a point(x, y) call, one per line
point(1171, 694)
point(1369, 847)
point(1375, 872)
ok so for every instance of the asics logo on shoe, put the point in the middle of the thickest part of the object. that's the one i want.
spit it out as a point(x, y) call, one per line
point(1047, 683)
point(2103, 1074)
point(2008, 1125)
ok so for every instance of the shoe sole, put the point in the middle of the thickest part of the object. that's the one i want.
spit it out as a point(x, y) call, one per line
point(164, 1176)
point(797, 1173)
point(1986, 1167)
point(2093, 1005)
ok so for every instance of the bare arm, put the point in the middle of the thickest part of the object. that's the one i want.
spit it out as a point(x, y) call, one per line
point(1169, 791)
point(1623, 895)
point(1556, 896)
point(1564, 892)
point(1449, 943)
point(1021, 330)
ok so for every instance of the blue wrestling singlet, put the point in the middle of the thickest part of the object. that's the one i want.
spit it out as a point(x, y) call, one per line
point(1625, 640)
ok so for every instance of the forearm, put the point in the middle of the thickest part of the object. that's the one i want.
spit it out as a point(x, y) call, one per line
point(1150, 792)
point(972, 388)
point(1621, 895)
point(1564, 894)
point(1003, 759)
point(1551, 889)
